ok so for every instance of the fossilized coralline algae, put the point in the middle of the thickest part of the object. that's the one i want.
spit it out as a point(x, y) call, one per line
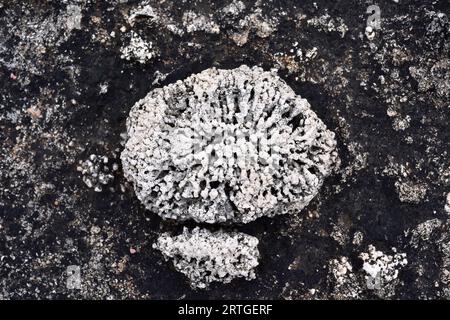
point(226, 145)
point(204, 256)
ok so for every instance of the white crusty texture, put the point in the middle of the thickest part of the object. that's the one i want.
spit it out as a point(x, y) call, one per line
point(226, 145)
point(205, 256)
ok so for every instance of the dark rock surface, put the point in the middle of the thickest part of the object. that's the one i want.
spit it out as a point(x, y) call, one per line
point(69, 78)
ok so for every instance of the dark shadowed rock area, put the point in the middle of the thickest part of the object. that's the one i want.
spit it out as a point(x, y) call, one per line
point(71, 70)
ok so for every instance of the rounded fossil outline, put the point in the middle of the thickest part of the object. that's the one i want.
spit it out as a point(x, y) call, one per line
point(226, 145)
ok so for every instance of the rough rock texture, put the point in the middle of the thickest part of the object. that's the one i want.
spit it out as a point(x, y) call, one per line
point(138, 50)
point(205, 257)
point(382, 270)
point(226, 145)
point(65, 94)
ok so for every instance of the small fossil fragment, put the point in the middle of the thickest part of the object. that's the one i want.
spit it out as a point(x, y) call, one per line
point(382, 270)
point(138, 50)
point(205, 256)
point(97, 171)
point(226, 145)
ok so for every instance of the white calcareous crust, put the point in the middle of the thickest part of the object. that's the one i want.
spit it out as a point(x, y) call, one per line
point(226, 145)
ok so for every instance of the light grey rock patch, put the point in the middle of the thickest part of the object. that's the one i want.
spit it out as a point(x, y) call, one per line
point(256, 22)
point(226, 145)
point(433, 75)
point(74, 16)
point(382, 270)
point(411, 192)
point(346, 283)
point(205, 256)
point(422, 233)
point(447, 203)
point(194, 22)
point(326, 23)
point(234, 8)
point(145, 10)
point(36, 34)
point(138, 49)
point(154, 16)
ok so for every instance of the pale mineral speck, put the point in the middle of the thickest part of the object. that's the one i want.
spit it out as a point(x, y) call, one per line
point(370, 33)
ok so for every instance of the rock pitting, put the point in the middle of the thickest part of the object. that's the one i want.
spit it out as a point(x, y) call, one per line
point(226, 145)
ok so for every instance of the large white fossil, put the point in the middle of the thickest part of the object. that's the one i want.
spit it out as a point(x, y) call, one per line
point(226, 145)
